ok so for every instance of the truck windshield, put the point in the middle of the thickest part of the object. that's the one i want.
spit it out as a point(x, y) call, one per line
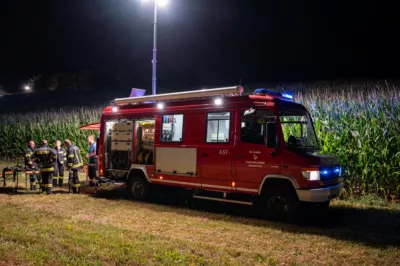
point(298, 131)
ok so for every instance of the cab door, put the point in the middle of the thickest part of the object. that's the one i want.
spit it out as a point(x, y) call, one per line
point(254, 158)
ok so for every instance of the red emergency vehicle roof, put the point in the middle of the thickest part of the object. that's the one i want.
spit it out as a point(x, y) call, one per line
point(94, 126)
point(230, 97)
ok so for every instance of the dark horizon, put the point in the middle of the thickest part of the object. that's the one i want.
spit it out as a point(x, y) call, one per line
point(200, 43)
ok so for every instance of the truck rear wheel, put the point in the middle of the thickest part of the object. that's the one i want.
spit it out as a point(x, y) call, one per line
point(138, 188)
point(280, 205)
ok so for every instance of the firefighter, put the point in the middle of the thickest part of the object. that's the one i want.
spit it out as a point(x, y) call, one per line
point(59, 166)
point(74, 163)
point(31, 165)
point(46, 158)
point(92, 156)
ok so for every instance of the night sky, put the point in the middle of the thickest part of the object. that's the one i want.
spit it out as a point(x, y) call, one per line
point(201, 42)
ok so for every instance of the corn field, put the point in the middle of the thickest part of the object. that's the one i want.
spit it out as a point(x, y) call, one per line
point(17, 129)
point(360, 123)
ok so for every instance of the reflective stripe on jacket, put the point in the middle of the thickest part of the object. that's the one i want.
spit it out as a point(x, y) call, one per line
point(28, 157)
point(74, 158)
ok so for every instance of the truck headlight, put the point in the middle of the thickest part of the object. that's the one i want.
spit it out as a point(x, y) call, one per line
point(311, 174)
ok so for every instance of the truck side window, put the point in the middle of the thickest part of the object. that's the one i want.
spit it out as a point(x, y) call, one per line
point(253, 126)
point(252, 131)
point(172, 128)
point(218, 127)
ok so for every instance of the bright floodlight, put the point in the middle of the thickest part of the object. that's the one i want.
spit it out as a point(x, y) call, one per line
point(160, 105)
point(218, 101)
point(162, 2)
point(115, 109)
point(27, 88)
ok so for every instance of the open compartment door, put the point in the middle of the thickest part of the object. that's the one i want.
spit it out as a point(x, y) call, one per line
point(94, 126)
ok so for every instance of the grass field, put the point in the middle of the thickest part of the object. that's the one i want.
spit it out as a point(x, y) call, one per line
point(108, 229)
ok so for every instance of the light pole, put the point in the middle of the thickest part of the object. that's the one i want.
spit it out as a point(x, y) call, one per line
point(154, 61)
point(154, 79)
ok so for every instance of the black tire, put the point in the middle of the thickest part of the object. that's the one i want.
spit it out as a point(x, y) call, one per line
point(138, 188)
point(280, 205)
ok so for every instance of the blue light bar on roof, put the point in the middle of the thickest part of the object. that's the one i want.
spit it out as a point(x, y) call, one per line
point(287, 96)
point(266, 91)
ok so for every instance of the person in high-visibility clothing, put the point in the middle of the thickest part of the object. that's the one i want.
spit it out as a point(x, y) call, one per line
point(59, 166)
point(31, 165)
point(46, 158)
point(74, 163)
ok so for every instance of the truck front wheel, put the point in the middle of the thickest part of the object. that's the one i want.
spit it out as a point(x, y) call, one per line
point(280, 205)
point(138, 188)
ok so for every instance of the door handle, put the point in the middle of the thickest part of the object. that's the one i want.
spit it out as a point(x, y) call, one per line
point(240, 156)
point(204, 154)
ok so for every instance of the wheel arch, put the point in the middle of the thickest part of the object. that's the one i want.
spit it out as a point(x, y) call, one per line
point(138, 170)
point(282, 179)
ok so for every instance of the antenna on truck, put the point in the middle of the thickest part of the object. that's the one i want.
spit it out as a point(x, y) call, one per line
point(180, 95)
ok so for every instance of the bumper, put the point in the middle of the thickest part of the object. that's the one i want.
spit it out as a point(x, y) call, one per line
point(319, 194)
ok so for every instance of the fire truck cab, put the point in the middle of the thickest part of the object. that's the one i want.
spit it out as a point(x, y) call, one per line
point(220, 145)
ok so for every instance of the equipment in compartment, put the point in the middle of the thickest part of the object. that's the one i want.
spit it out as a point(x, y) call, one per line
point(145, 157)
point(121, 146)
point(168, 128)
point(121, 137)
point(147, 138)
point(123, 126)
point(145, 130)
point(121, 159)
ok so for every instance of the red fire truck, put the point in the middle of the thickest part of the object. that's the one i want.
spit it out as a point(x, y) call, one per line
point(219, 145)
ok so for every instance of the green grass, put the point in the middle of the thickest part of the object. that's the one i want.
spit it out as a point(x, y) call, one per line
point(107, 229)
point(64, 229)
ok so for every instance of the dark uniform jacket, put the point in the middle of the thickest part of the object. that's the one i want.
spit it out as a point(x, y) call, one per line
point(74, 159)
point(28, 158)
point(61, 155)
point(46, 158)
